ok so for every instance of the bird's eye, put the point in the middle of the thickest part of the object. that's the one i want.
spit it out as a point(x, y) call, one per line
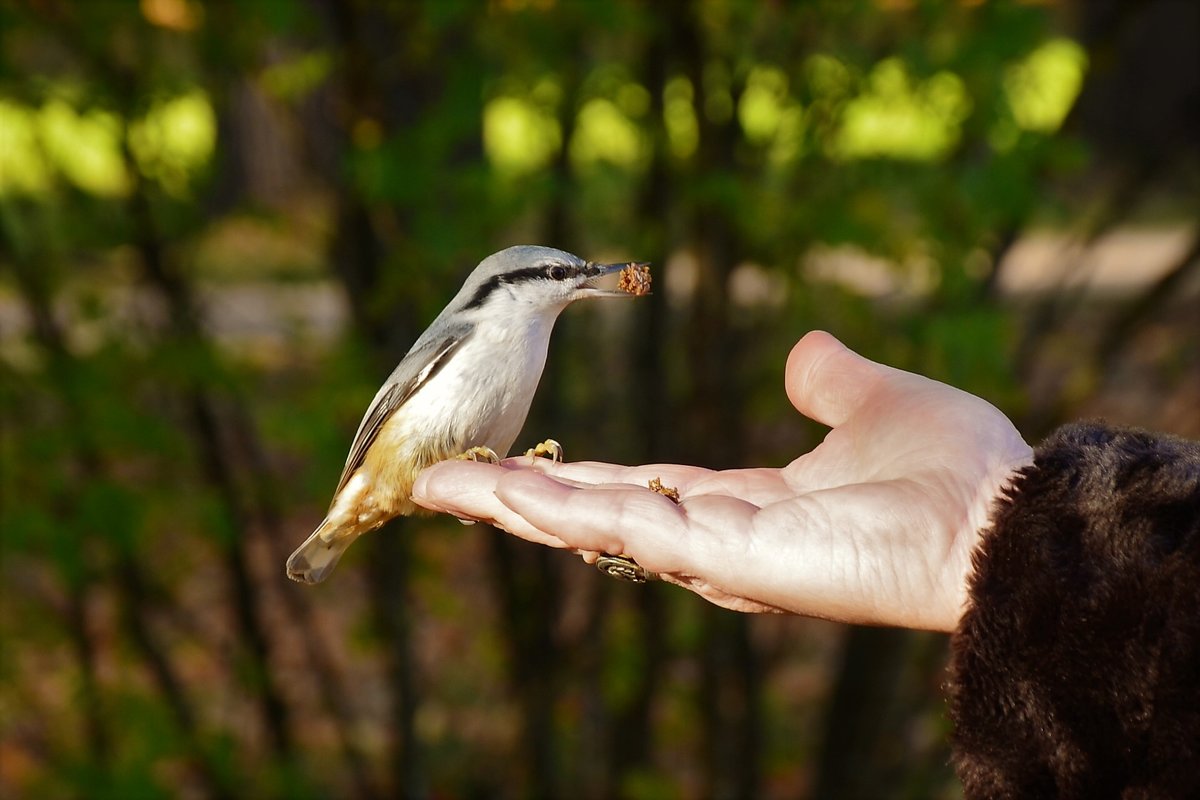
point(558, 272)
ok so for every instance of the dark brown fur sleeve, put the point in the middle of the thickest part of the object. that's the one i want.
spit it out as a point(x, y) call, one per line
point(1076, 670)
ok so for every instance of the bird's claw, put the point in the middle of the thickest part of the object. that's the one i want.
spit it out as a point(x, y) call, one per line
point(549, 448)
point(480, 453)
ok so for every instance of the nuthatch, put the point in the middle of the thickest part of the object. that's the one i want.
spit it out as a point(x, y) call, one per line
point(464, 388)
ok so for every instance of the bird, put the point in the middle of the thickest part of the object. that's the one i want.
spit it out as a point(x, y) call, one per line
point(462, 390)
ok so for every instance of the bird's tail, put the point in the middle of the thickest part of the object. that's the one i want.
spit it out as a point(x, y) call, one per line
point(315, 559)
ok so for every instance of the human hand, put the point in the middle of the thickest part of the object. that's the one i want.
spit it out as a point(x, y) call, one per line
point(876, 525)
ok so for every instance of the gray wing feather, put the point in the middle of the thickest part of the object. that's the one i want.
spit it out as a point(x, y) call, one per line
point(424, 361)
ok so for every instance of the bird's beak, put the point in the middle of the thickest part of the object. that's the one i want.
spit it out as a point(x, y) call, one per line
point(596, 272)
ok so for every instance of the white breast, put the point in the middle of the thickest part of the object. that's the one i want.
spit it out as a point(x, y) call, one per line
point(482, 396)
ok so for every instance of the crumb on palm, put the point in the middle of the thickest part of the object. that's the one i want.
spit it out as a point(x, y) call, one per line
point(670, 492)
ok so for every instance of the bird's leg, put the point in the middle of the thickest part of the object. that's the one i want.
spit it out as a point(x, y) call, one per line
point(547, 448)
point(480, 453)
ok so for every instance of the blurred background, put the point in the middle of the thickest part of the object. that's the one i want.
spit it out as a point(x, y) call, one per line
point(222, 224)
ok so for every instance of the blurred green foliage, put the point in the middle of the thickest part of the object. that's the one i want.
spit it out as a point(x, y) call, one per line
point(221, 224)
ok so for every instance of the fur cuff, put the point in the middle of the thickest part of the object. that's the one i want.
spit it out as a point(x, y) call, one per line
point(1076, 669)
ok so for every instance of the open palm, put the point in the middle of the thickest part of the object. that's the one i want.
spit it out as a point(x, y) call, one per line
point(876, 525)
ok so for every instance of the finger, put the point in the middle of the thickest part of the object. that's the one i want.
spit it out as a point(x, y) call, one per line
point(828, 382)
point(758, 485)
point(611, 518)
point(451, 486)
point(679, 476)
point(467, 489)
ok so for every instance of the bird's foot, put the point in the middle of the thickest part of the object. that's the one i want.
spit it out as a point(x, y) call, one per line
point(549, 448)
point(480, 453)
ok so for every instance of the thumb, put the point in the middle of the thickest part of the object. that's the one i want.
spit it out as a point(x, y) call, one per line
point(826, 381)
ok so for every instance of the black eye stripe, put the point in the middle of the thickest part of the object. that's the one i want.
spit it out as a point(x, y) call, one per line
point(517, 276)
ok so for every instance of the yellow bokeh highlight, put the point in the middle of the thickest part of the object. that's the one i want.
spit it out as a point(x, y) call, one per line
point(297, 77)
point(769, 116)
point(679, 118)
point(1042, 87)
point(85, 147)
point(174, 140)
point(760, 107)
point(40, 146)
point(889, 114)
point(902, 118)
point(521, 133)
point(176, 15)
point(22, 168)
point(604, 133)
point(828, 77)
point(519, 136)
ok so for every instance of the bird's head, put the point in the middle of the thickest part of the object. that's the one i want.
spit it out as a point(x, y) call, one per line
point(529, 275)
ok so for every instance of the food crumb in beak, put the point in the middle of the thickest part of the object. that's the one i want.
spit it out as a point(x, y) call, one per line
point(635, 279)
